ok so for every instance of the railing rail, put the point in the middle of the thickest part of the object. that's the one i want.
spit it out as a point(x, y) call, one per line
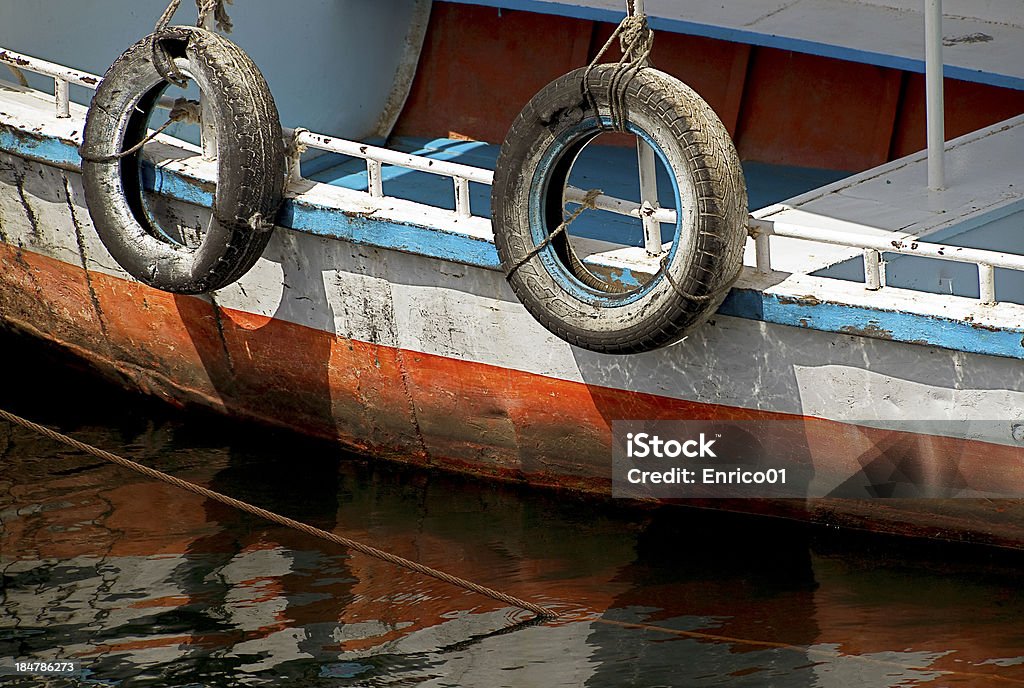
point(761, 229)
point(874, 246)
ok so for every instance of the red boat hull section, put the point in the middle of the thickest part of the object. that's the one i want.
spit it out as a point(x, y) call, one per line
point(447, 412)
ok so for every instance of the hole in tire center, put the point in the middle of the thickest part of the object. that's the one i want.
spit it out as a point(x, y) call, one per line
point(611, 245)
point(179, 223)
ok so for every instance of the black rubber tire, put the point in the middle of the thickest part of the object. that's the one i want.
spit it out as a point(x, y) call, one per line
point(704, 161)
point(250, 163)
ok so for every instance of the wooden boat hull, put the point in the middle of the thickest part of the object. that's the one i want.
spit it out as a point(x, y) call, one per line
point(435, 363)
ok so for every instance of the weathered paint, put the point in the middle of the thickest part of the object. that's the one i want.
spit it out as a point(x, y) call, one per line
point(428, 409)
point(912, 328)
point(376, 42)
point(430, 359)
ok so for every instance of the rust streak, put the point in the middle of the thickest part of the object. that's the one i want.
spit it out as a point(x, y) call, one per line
point(220, 335)
point(80, 240)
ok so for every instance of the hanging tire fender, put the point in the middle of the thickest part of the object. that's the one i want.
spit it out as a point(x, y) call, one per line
point(711, 202)
point(250, 161)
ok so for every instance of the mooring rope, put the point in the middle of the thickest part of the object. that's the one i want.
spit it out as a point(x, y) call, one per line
point(220, 14)
point(279, 519)
point(541, 612)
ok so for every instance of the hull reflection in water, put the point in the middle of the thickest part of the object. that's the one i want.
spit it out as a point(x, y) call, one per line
point(149, 585)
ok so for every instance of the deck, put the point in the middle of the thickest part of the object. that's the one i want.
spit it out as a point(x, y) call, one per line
point(984, 42)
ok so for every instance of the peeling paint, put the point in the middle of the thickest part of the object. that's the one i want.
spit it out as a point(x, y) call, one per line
point(869, 330)
point(800, 300)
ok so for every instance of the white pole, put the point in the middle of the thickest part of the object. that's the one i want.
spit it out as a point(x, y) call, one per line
point(648, 171)
point(933, 93)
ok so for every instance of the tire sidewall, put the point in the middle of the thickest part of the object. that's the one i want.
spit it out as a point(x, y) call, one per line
point(133, 241)
point(706, 253)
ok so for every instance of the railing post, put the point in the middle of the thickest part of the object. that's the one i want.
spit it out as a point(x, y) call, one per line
point(648, 171)
point(462, 208)
point(207, 126)
point(763, 251)
point(61, 95)
point(872, 269)
point(295, 160)
point(987, 283)
point(374, 178)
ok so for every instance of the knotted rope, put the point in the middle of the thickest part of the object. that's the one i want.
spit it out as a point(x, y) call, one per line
point(636, 41)
point(588, 203)
point(220, 14)
point(279, 519)
point(183, 110)
point(204, 7)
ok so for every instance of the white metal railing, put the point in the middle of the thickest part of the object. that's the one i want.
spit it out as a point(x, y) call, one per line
point(375, 156)
point(62, 77)
point(462, 175)
point(874, 247)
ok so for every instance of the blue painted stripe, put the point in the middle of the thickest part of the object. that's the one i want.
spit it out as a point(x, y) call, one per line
point(767, 40)
point(872, 322)
point(359, 229)
point(434, 243)
point(34, 146)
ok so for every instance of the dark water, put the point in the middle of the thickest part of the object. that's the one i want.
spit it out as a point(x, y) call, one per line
point(146, 585)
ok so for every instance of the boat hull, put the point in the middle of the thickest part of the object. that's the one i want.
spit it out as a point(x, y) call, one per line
point(433, 362)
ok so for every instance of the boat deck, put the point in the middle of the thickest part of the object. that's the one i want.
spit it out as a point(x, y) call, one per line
point(983, 42)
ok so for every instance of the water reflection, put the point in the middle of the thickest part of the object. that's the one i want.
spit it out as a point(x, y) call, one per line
point(149, 585)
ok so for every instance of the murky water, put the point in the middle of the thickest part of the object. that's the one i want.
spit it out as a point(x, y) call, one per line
point(145, 584)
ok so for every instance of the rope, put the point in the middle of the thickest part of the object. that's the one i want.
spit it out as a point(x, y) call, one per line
point(636, 41)
point(541, 612)
point(19, 75)
point(220, 14)
point(663, 270)
point(588, 204)
point(162, 60)
point(183, 110)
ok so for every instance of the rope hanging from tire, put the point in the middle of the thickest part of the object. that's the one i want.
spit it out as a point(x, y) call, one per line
point(250, 155)
point(531, 231)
